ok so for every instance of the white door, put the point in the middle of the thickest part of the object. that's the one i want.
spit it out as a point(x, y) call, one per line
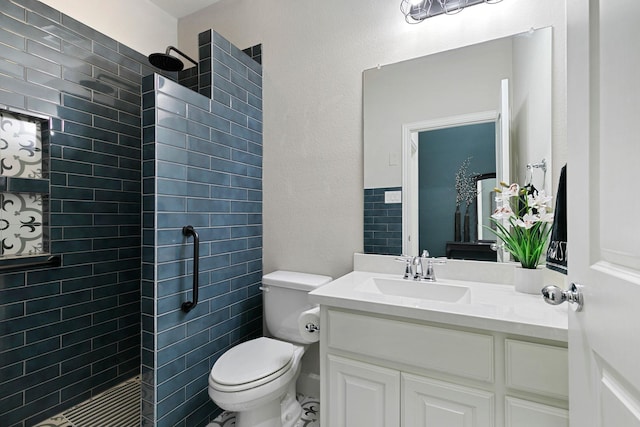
point(603, 204)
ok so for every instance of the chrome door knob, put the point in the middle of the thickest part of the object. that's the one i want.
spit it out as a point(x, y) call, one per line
point(554, 295)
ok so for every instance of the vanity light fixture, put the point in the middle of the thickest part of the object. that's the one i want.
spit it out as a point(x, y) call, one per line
point(416, 11)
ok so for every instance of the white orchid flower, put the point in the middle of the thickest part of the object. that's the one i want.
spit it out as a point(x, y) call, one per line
point(533, 213)
point(540, 200)
point(503, 198)
point(527, 221)
point(545, 217)
point(512, 190)
point(502, 212)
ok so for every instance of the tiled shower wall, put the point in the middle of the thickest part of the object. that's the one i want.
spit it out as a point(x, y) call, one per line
point(68, 333)
point(202, 167)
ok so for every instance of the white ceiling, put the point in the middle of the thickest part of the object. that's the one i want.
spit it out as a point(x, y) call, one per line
point(180, 8)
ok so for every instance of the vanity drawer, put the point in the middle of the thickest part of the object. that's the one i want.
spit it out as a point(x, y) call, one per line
point(537, 368)
point(464, 354)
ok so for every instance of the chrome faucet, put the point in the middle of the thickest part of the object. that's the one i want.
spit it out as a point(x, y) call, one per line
point(420, 267)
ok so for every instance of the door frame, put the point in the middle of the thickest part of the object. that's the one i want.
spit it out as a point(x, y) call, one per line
point(410, 133)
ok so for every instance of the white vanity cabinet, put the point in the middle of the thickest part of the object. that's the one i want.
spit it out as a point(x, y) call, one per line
point(379, 370)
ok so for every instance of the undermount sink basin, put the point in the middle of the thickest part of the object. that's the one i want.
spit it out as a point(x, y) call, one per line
point(433, 291)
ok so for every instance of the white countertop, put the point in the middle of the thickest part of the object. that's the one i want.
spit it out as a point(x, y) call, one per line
point(494, 307)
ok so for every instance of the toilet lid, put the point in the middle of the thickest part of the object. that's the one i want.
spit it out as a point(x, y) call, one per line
point(251, 361)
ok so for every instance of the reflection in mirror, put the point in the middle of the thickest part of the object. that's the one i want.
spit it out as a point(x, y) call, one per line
point(460, 88)
point(440, 155)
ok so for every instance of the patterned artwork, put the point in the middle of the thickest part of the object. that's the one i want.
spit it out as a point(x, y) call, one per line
point(21, 229)
point(310, 414)
point(20, 146)
point(21, 214)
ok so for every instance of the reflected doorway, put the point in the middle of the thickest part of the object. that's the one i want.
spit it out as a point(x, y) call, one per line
point(441, 152)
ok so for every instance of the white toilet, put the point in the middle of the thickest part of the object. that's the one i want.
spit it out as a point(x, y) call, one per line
point(257, 379)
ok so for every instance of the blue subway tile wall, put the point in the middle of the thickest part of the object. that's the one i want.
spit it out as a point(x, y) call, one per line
point(382, 223)
point(189, 78)
point(198, 171)
point(71, 332)
point(255, 52)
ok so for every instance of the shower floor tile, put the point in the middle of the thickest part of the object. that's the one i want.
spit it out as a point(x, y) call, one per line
point(310, 414)
point(119, 404)
point(57, 421)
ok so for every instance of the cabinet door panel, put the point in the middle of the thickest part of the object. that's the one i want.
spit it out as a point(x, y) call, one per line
point(522, 413)
point(433, 403)
point(537, 368)
point(361, 394)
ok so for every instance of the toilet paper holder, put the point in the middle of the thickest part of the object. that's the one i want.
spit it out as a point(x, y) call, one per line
point(312, 327)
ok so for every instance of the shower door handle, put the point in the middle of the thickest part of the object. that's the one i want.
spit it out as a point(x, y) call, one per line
point(188, 230)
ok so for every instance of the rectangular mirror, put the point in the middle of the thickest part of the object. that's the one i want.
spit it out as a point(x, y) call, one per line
point(501, 91)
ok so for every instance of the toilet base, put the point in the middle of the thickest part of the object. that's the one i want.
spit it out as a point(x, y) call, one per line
point(290, 409)
point(284, 413)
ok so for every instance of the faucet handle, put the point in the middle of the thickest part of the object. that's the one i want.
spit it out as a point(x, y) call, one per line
point(429, 272)
point(407, 265)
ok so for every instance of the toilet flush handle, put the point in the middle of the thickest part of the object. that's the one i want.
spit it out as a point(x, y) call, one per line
point(264, 288)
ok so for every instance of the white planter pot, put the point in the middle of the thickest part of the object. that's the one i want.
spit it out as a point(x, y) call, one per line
point(529, 280)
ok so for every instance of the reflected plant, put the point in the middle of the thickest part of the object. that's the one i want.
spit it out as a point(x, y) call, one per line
point(465, 185)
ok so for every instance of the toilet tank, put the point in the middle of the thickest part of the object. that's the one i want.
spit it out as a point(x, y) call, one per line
point(285, 297)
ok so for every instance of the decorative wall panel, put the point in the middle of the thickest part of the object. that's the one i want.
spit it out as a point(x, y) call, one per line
point(21, 224)
point(21, 156)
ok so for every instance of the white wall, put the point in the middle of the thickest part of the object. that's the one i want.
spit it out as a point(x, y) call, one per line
point(138, 24)
point(314, 53)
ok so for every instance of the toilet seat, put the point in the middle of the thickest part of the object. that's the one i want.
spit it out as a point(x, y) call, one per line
point(251, 364)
